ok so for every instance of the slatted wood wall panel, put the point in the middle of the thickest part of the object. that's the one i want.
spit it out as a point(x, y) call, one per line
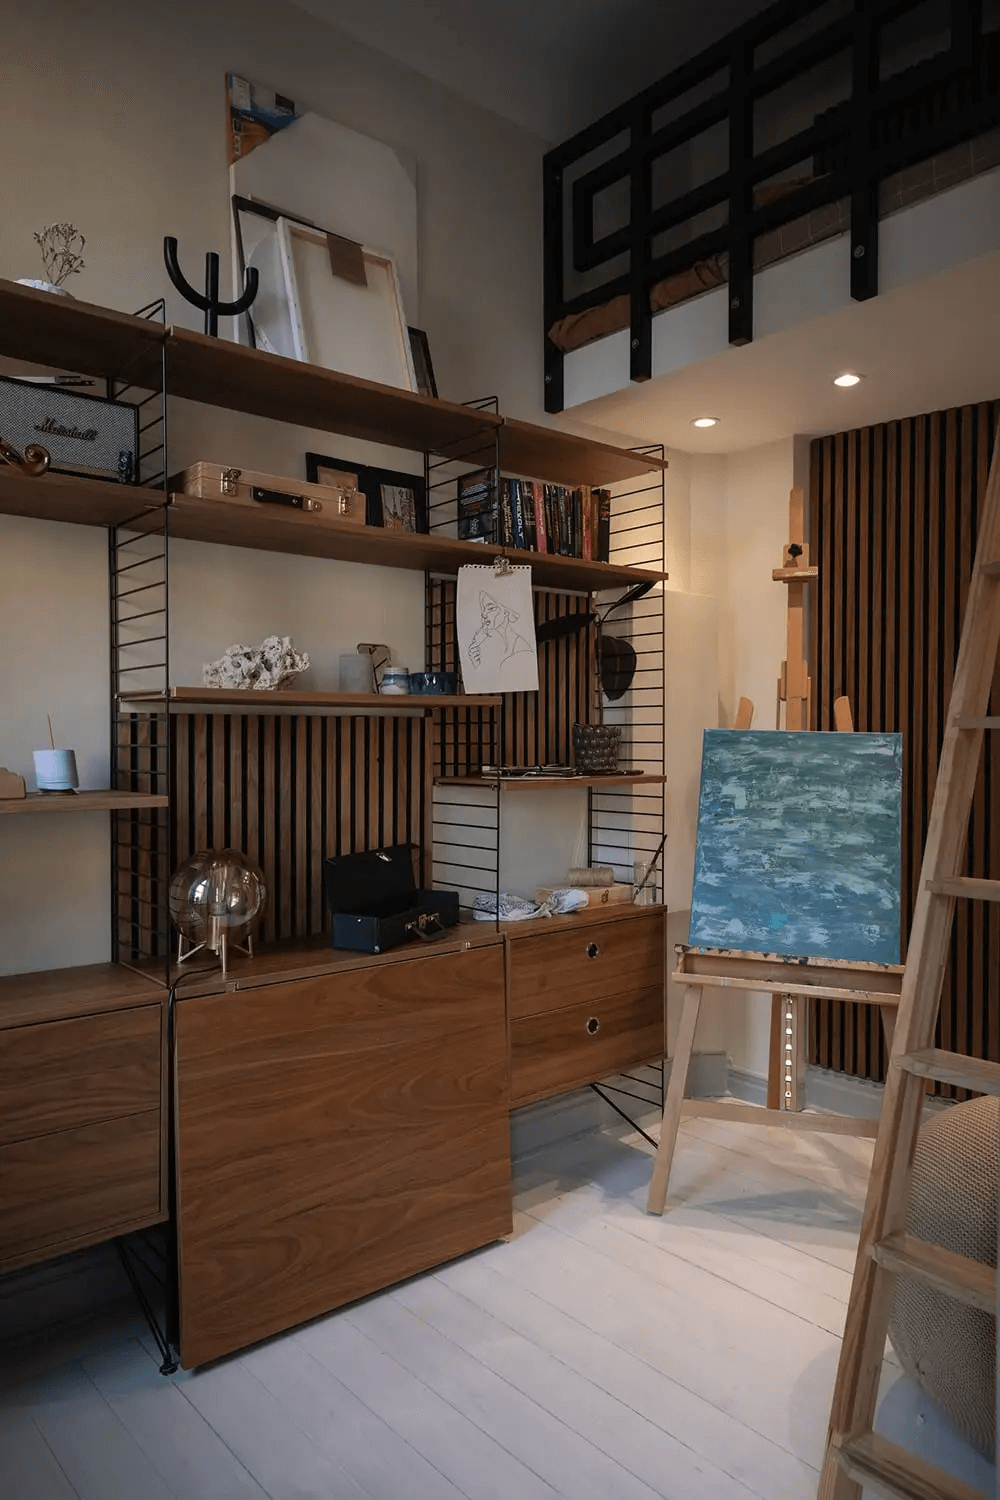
point(894, 512)
point(537, 728)
point(289, 790)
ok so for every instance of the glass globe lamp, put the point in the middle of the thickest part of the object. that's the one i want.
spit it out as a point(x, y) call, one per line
point(216, 898)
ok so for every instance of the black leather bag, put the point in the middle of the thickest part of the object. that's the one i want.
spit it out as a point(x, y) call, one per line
point(375, 904)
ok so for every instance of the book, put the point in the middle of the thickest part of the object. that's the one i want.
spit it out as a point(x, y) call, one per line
point(476, 508)
point(506, 517)
point(587, 502)
point(541, 531)
point(528, 510)
point(603, 498)
point(563, 513)
point(576, 524)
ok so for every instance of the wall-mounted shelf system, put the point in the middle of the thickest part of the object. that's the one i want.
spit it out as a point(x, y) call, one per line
point(106, 801)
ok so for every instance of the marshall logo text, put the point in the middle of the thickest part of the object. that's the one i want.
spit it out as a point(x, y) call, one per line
point(56, 429)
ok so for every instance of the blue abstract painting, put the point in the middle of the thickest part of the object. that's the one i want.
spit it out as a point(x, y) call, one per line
point(799, 844)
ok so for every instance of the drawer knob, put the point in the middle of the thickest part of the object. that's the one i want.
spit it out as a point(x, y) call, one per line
point(593, 1026)
point(592, 950)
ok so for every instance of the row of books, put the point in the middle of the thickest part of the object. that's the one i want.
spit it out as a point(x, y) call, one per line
point(535, 517)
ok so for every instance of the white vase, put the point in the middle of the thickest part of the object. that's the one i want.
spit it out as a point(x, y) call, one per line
point(44, 286)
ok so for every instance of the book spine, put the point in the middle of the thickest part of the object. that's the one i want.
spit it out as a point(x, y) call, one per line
point(604, 525)
point(576, 511)
point(506, 537)
point(538, 508)
point(528, 510)
point(517, 496)
point(587, 507)
point(563, 504)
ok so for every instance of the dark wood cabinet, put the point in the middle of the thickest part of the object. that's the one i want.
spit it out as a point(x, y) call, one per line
point(335, 1135)
point(586, 1000)
point(82, 1110)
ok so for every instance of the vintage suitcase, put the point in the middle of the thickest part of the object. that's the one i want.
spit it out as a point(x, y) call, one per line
point(341, 504)
point(375, 904)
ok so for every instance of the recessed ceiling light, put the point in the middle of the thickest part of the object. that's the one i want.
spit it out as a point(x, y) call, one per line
point(705, 422)
point(846, 379)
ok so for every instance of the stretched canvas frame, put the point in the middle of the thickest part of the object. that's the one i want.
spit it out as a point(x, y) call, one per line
point(306, 312)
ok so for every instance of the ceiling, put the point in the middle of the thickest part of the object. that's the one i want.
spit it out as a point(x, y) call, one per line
point(925, 347)
point(551, 66)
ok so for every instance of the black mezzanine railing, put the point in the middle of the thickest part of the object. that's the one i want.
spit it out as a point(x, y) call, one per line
point(875, 119)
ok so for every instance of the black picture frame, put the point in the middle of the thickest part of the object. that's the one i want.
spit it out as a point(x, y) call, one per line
point(370, 482)
point(423, 369)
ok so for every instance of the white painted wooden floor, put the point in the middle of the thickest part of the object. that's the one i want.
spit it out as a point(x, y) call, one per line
point(601, 1355)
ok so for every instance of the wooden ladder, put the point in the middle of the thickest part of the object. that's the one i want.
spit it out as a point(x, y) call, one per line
point(856, 1456)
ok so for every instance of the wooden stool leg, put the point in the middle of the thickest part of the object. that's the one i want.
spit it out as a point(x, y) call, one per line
point(679, 1066)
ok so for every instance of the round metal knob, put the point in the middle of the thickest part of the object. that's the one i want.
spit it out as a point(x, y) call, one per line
point(593, 1026)
point(592, 950)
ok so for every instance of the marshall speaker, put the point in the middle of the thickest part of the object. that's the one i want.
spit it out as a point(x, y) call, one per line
point(85, 435)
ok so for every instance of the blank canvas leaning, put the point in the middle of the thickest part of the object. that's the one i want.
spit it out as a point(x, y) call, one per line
point(799, 844)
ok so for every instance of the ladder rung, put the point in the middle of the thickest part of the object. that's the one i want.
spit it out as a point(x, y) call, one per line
point(955, 1068)
point(990, 570)
point(967, 888)
point(894, 1474)
point(973, 723)
point(969, 1281)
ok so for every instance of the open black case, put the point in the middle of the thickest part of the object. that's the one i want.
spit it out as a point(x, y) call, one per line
point(375, 903)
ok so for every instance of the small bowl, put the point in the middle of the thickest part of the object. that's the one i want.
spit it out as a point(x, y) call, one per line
point(395, 682)
point(430, 684)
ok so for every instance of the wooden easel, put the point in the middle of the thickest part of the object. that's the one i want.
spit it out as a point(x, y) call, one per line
point(791, 982)
point(798, 979)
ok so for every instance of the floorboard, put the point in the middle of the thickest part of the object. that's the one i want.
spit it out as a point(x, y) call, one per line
point(600, 1354)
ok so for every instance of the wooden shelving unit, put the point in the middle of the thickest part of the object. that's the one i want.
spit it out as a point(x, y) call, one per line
point(97, 502)
point(55, 802)
point(67, 334)
point(550, 783)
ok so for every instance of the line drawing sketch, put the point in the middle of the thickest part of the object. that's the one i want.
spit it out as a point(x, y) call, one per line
point(496, 633)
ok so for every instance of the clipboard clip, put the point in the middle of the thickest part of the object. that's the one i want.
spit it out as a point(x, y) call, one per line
point(502, 567)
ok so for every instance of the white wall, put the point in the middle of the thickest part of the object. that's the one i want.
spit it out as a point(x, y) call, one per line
point(114, 119)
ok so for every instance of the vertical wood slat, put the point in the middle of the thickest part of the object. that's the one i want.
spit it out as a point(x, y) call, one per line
point(894, 514)
point(291, 790)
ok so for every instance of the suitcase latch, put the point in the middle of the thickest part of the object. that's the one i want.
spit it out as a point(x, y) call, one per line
point(227, 480)
point(427, 926)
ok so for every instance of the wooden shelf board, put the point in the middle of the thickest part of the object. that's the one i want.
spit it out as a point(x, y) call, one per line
point(587, 917)
point(67, 334)
point(50, 802)
point(64, 333)
point(546, 783)
point(60, 994)
point(312, 957)
point(269, 530)
point(85, 502)
point(288, 700)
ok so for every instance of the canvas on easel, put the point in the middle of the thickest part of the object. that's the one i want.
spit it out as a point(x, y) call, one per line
point(799, 844)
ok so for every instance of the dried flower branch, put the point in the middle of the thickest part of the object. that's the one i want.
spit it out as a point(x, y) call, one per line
point(61, 245)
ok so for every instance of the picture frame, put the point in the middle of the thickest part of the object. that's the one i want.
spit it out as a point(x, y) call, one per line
point(423, 369)
point(390, 495)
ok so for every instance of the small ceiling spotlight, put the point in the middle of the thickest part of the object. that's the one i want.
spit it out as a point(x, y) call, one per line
point(847, 379)
point(705, 422)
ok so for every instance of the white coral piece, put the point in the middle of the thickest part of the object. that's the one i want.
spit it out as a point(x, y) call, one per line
point(273, 664)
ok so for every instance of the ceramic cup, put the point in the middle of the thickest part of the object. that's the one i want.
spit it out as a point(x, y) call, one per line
point(55, 770)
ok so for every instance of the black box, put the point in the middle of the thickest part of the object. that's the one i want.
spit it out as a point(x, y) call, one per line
point(375, 904)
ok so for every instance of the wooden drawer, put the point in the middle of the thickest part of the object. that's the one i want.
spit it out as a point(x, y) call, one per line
point(589, 962)
point(335, 1135)
point(564, 1049)
point(77, 1187)
point(61, 1075)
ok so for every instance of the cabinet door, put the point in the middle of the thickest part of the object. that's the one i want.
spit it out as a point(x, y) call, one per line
point(335, 1135)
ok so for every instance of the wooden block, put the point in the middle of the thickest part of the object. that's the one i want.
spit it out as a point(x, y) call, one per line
point(12, 786)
